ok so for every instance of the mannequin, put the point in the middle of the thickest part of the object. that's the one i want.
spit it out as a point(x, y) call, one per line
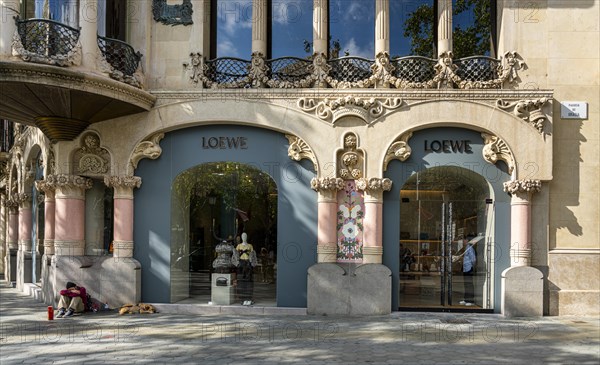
point(247, 260)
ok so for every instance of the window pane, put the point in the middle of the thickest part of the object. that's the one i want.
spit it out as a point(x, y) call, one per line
point(352, 24)
point(412, 28)
point(472, 28)
point(291, 26)
point(234, 28)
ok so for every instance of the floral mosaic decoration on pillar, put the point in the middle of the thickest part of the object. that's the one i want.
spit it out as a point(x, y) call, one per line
point(350, 214)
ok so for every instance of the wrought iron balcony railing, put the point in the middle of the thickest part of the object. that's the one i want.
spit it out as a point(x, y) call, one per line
point(122, 59)
point(477, 72)
point(47, 41)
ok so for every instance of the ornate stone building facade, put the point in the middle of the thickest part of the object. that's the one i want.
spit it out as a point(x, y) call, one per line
point(370, 159)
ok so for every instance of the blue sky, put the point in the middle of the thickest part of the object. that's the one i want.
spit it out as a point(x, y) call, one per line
point(352, 22)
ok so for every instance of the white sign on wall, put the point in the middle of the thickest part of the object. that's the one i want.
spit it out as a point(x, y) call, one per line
point(573, 110)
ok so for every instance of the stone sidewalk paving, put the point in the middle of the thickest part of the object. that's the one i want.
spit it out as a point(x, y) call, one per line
point(27, 337)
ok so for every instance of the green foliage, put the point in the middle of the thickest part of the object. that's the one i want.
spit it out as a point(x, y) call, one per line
point(468, 41)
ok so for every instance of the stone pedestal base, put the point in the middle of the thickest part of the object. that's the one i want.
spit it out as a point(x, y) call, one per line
point(24, 267)
point(333, 291)
point(522, 292)
point(107, 279)
point(222, 289)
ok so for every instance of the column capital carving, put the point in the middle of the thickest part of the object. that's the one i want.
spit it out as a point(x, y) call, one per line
point(12, 203)
point(374, 187)
point(327, 187)
point(70, 186)
point(496, 149)
point(24, 200)
point(123, 185)
point(299, 150)
point(523, 188)
point(399, 150)
point(47, 187)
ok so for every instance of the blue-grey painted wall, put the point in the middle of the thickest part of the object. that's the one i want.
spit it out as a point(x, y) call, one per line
point(420, 160)
point(267, 151)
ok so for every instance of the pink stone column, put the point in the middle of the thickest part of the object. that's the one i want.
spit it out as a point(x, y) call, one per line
point(48, 188)
point(69, 231)
point(327, 217)
point(123, 212)
point(372, 222)
point(12, 238)
point(3, 229)
point(520, 219)
point(24, 252)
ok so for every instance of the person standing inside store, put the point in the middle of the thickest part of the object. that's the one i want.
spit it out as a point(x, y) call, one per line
point(72, 300)
point(469, 261)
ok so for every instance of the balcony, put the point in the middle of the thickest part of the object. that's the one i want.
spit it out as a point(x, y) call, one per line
point(45, 84)
point(413, 72)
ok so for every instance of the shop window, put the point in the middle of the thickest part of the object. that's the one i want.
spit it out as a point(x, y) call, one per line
point(216, 202)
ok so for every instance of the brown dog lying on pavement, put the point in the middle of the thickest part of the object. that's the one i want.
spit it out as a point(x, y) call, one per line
point(138, 308)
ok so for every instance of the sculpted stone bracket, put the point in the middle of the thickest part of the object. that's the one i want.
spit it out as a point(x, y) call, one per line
point(178, 14)
point(367, 109)
point(149, 148)
point(399, 150)
point(299, 150)
point(495, 149)
point(528, 110)
point(90, 158)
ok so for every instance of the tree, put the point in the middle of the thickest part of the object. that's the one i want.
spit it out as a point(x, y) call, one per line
point(334, 48)
point(472, 39)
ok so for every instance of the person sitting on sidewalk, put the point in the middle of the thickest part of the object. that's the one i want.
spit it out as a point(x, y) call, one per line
point(72, 300)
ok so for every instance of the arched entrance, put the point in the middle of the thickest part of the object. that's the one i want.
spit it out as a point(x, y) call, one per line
point(444, 196)
point(186, 149)
point(446, 218)
point(216, 202)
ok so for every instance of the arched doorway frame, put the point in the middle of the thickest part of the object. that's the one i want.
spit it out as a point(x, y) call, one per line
point(419, 160)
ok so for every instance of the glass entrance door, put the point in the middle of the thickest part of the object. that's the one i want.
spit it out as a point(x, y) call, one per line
point(446, 246)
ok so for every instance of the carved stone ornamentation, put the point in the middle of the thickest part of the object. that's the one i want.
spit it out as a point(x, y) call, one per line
point(146, 149)
point(382, 69)
point(522, 186)
point(299, 150)
point(47, 187)
point(331, 110)
point(399, 150)
point(495, 149)
point(12, 204)
point(445, 69)
point(350, 159)
point(194, 67)
point(178, 14)
point(374, 184)
point(24, 200)
point(123, 185)
point(70, 186)
point(258, 70)
point(528, 110)
point(90, 158)
point(327, 184)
